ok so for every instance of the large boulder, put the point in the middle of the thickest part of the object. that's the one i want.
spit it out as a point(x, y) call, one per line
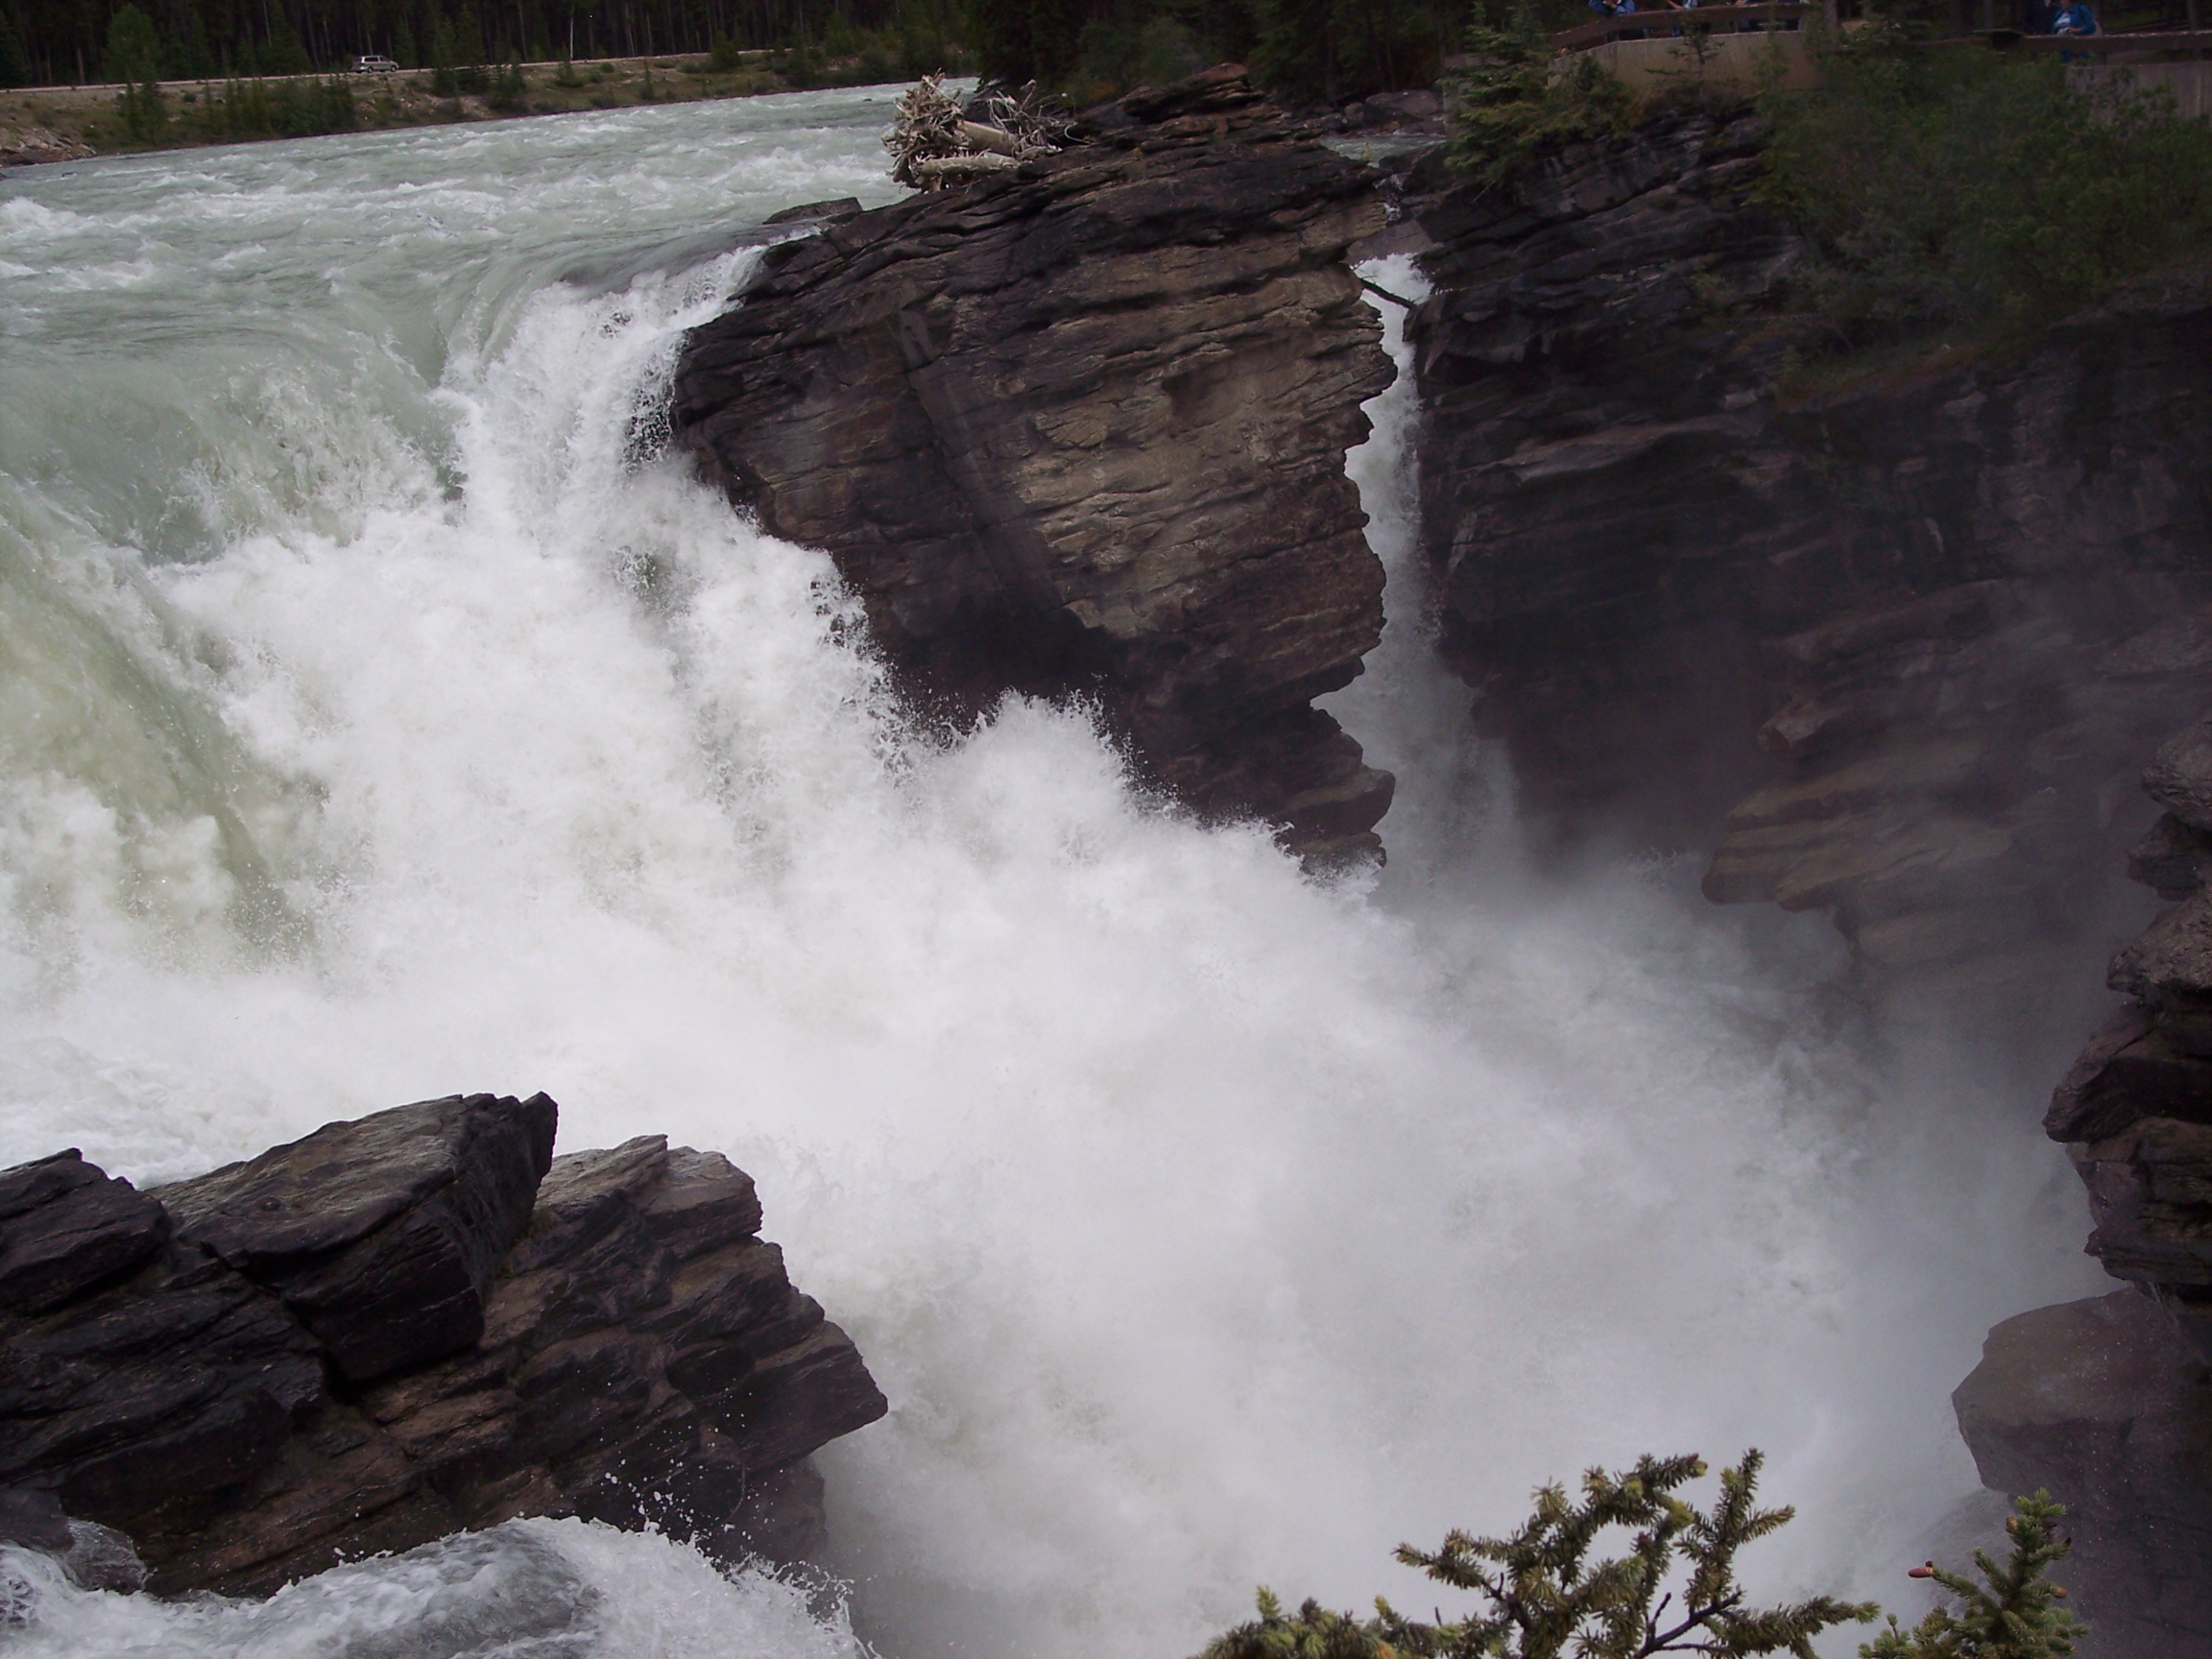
point(2102, 1403)
point(1080, 428)
point(405, 1326)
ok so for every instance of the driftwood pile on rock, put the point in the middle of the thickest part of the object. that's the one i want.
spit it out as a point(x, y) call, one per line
point(405, 1326)
point(936, 141)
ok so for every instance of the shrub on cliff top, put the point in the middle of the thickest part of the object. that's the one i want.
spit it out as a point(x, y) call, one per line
point(1545, 1597)
point(1944, 186)
point(1512, 106)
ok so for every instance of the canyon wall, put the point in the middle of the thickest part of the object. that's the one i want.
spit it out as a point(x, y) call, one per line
point(1892, 642)
point(2109, 1402)
point(1892, 647)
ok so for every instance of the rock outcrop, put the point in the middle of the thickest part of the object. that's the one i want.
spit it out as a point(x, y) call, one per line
point(2102, 1403)
point(2136, 1109)
point(405, 1326)
point(1893, 650)
point(1080, 428)
point(2108, 1402)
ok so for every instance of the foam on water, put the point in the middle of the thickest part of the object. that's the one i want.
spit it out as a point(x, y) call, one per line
point(396, 722)
point(525, 1590)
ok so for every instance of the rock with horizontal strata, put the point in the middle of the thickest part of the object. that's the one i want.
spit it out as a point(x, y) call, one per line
point(635, 1352)
point(382, 1234)
point(2135, 1109)
point(1893, 649)
point(2107, 1403)
point(1080, 428)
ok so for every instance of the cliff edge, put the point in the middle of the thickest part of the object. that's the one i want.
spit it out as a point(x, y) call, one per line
point(1080, 428)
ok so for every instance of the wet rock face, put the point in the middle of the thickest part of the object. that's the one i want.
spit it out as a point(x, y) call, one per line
point(2136, 1108)
point(240, 1388)
point(1893, 652)
point(382, 1235)
point(1081, 427)
point(2102, 1403)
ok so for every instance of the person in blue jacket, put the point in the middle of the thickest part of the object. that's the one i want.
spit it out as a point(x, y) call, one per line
point(2074, 19)
point(1617, 9)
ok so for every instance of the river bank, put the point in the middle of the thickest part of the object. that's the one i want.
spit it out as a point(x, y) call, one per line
point(40, 123)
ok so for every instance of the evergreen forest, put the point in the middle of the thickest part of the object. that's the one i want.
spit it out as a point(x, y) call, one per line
point(1310, 50)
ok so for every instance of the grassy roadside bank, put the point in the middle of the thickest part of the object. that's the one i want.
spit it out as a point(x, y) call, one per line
point(67, 122)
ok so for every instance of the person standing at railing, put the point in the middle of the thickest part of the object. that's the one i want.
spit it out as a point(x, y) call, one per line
point(1617, 9)
point(2074, 19)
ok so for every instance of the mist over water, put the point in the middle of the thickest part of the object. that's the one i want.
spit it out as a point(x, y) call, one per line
point(383, 717)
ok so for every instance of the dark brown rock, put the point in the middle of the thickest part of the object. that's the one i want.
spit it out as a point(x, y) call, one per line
point(1080, 428)
point(1893, 651)
point(2180, 776)
point(150, 1404)
point(639, 1353)
point(381, 1233)
point(2171, 961)
point(2136, 1107)
point(2175, 858)
point(64, 1227)
point(2103, 1405)
point(34, 1520)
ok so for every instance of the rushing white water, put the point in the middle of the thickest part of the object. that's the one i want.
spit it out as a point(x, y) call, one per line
point(383, 718)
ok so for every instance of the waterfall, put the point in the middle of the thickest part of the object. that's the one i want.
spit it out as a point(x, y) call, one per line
point(385, 717)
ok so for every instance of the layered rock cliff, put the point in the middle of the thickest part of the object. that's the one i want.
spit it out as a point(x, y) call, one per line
point(2136, 1109)
point(404, 1326)
point(1895, 649)
point(2109, 1402)
point(1080, 428)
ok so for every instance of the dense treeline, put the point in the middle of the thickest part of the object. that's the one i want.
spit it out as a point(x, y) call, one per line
point(69, 42)
point(1311, 49)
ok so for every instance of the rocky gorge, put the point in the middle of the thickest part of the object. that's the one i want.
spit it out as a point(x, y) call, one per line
point(1891, 642)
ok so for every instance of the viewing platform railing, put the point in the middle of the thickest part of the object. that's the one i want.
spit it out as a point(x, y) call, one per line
point(1662, 22)
point(1661, 19)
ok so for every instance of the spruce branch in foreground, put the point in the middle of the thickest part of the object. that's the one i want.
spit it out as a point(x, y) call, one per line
point(2014, 1618)
point(1548, 1599)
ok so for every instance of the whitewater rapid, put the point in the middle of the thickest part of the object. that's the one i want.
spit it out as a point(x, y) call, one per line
point(385, 717)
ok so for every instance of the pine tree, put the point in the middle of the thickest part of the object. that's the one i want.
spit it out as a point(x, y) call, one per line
point(135, 58)
point(14, 61)
point(2016, 1617)
point(1546, 1598)
point(1512, 105)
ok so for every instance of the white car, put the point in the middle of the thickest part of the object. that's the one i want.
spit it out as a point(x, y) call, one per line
point(372, 64)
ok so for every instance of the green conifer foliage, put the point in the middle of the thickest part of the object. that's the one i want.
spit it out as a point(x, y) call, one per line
point(135, 58)
point(1512, 106)
point(14, 63)
point(1548, 1593)
point(2015, 1615)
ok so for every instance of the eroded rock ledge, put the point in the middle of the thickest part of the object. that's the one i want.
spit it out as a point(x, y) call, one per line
point(1893, 651)
point(2108, 1402)
point(1081, 428)
point(404, 1326)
